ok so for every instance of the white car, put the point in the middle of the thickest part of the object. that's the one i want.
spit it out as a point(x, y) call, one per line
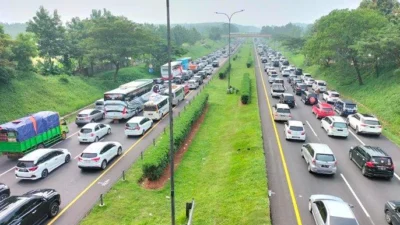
point(294, 130)
point(272, 78)
point(281, 112)
point(309, 81)
point(39, 163)
point(331, 96)
point(277, 89)
point(270, 68)
point(138, 126)
point(286, 73)
point(99, 154)
point(335, 126)
point(305, 75)
point(93, 132)
point(364, 123)
point(319, 84)
point(193, 84)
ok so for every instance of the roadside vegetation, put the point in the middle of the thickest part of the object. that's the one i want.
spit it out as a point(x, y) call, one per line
point(365, 66)
point(223, 169)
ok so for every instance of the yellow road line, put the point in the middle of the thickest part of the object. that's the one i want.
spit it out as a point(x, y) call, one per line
point(287, 175)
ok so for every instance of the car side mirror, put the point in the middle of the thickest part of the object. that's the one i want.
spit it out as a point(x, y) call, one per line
point(351, 148)
point(351, 206)
point(304, 145)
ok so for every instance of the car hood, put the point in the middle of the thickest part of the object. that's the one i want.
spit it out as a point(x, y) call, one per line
point(45, 193)
point(3, 187)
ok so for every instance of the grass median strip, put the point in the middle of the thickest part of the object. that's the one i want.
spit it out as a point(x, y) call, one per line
point(223, 169)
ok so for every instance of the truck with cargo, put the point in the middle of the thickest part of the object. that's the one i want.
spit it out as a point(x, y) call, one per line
point(29, 133)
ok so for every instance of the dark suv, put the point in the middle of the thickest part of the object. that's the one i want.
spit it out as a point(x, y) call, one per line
point(288, 99)
point(299, 87)
point(33, 207)
point(309, 98)
point(4, 191)
point(275, 64)
point(373, 161)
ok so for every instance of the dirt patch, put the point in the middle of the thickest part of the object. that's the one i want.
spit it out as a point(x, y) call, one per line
point(158, 184)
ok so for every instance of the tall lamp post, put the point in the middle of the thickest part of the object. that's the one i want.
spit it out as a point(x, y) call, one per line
point(229, 46)
point(171, 121)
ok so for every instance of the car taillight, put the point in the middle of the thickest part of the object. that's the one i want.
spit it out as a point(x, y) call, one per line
point(137, 128)
point(92, 134)
point(126, 127)
point(379, 126)
point(79, 158)
point(96, 159)
point(290, 115)
point(363, 125)
point(289, 131)
point(331, 127)
point(369, 164)
point(33, 168)
point(335, 163)
point(313, 161)
point(79, 134)
point(303, 133)
point(124, 111)
point(87, 117)
point(391, 167)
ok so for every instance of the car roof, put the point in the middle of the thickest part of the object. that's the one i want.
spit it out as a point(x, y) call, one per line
point(333, 92)
point(136, 119)
point(284, 106)
point(337, 119)
point(287, 94)
point(338, 209)
point(368, 116)
point(95, 147)
point(90, 125)
point(36, 154)
point(348, 101)
point(324, 104)
point(374, 151)
point(295, 123)
point(321, 148)
point(86, 111)
point(320, 81)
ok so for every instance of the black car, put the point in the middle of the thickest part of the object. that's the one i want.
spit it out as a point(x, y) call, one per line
point(299, 87)
point(298, 72)
point(288, 99)
point(215, 63)
point(4, 191)
point(33, 207)
point(285, 63)
point(264, 60)
point(158, 81)
point(296, 81)
point(373, 161)
point(275, 64)
point(309, 98)
point(392, 212)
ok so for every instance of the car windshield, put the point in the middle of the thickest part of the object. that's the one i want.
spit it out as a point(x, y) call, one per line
point(340, 125)
point(151, 108)
point(25, 164)
point(99, 103)
point(291, 98)
point(296, 128)
point(86, 130)
point(88, 155)
point(383, 161)
point(82, 115)
point(327, 109)
point(351, 106)
point(283, 110)
point(321, 84)
point(303, 86)
point(334, 95)
point(334, 220)
point(274, 75)
point(325, 157)
point(372, 122)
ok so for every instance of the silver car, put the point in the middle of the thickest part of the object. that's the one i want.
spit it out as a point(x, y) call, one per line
point(319, 158)
point(89, 116)
point(331, 210)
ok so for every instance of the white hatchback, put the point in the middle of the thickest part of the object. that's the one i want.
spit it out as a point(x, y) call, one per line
point(93, 132)
point(281, 112)
point(138, 126)
point(99, 154)
point(39, 163)
point(294, 130)
point(335, 126)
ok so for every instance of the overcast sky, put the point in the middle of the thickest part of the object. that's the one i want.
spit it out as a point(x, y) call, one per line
point(257, 12)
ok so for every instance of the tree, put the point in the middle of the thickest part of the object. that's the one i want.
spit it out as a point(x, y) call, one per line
point(386, 7)
point(50, 33)
point(215, 33)
point(24, 49)
point(114, 39)
point(76, 33)
point(6, 64)
point(225, 28)
point(335, 34)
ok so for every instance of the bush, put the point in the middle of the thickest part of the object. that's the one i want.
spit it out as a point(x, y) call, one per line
point(246, 89)
point(224, 71)
point(249, 62)
point(157, 157)
point(63, 80)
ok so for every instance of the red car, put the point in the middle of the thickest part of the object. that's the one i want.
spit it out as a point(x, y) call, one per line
point(322, 110)
point(186, 88)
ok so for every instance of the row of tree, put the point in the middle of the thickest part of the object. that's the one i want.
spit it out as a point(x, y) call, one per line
point(82, 43)
point(366, 38)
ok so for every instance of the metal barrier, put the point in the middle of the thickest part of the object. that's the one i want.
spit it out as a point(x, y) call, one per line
point(189, 211)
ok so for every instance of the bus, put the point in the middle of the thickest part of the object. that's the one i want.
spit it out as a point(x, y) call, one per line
point(127, 100)
point(156, 107)
point(185, 62)
point(176, 70)
point(178, 94)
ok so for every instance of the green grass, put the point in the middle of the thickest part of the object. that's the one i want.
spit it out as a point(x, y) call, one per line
point(229, 185)
point(203, 48)
point(31, 92)
point(379, 96)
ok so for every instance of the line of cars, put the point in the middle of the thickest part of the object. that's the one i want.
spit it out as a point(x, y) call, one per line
point(373, 161)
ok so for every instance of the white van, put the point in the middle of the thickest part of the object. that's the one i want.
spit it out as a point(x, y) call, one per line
point(178, 94)
point(99, 104)
point(193, 84)
point(319, 84)
point(156, 107)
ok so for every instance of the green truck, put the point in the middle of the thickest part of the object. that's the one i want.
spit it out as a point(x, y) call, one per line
point(29, 133)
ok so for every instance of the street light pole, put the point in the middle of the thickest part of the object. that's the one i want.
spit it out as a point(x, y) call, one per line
point(229, 42)
point(171, 120)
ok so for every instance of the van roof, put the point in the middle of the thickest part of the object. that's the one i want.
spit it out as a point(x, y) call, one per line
point(282, 106)
point(374, 151)
point(36, 154)
point(321, 148)
point(136, 119)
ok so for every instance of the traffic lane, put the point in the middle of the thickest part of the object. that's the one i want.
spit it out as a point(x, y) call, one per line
point(365, 188)
point(315, 184)
point(280, 202)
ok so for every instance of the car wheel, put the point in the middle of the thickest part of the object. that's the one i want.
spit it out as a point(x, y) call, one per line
point(309, 206)
point(316, 116)
point(309, 168)
point(96, 139)
point(364, 171)
point(45, 172)
point(54, 209)
point(351, 156)
point(301, 153)
point(109, 131)
point(119, 151)
point(3, 196)
point(357, 130)
point(387, 217)
point(67, 158)
point(143, 132)
point(104, 165)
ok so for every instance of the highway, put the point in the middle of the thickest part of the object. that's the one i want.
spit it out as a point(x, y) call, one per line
point(290, 183)
point(80, 190)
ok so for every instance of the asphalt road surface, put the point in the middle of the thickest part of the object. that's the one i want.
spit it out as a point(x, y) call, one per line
point(80, 190)
point(290, 190)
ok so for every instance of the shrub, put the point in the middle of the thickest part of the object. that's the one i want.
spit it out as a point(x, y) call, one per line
point(157, 157)
point(249, 62)
point(63, 80)
point(224, 71)
point(246, 89)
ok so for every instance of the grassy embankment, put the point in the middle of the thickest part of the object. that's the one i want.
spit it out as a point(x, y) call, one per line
point(223, 169)
point(379, 95)
point(31, 92)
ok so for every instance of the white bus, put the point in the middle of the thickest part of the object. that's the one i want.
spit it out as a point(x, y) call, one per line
point(178, 94)
point(127, 100)
point(176, 70)
point(156, 107)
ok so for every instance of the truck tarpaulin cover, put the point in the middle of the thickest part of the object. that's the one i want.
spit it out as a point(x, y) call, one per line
point(30, 126)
